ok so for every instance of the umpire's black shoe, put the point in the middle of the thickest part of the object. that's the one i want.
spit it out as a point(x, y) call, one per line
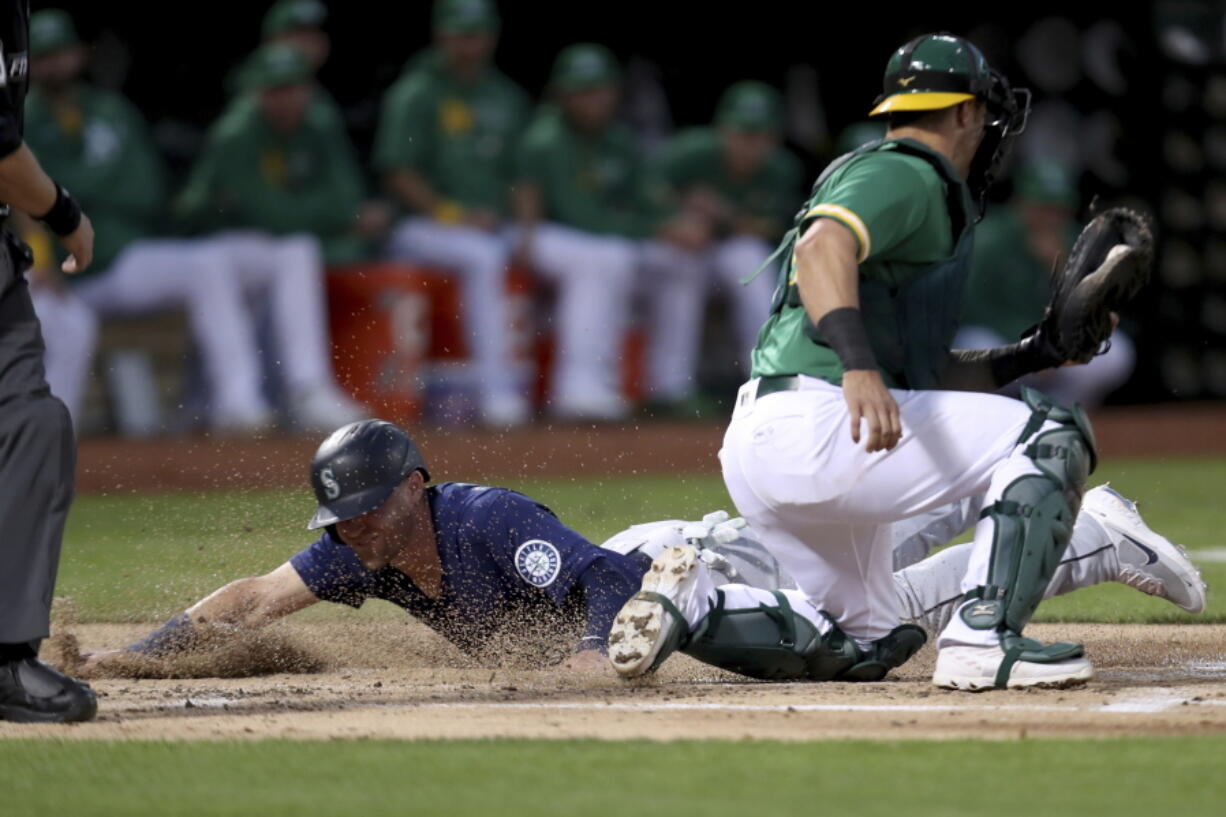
point(32, 692)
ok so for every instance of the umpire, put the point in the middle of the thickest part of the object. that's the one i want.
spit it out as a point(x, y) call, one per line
point(37, 449)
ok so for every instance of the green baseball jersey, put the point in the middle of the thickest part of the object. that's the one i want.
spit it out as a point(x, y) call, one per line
point(250, 176)
point(694, 158)
point(592, 183)
point(911, 215)
point(103, 153)
point(1009, 285)
point(460, 137)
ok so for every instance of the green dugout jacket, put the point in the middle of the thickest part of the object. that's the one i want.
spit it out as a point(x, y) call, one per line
point(251, 177)
point(694, 158)
point(461, 138)
point(1009, 286)
point(106, 158)
point(597, 184)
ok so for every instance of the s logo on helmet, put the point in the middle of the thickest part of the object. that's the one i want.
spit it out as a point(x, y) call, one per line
point(332, 488)
point(538, 562)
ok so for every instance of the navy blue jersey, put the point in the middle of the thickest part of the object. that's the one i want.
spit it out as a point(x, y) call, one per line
point(507, 561)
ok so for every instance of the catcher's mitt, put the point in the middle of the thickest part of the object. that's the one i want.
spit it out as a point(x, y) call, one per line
point(1107, 267)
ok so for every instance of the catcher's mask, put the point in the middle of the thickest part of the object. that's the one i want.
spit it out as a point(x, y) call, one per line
point(938, 71)
point(356, 469)
point(1008, 110)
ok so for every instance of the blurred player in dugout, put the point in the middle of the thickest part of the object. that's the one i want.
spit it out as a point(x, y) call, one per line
point(444, 148)
point(278, 189)
point(99, 140)
point(587, 222)
point(738, 177)
point(1016, 248)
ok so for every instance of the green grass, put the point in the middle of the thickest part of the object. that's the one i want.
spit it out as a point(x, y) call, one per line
point(370, 778)
point(142, 557)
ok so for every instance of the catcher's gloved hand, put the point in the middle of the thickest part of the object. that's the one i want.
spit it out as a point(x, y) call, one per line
point(1107, 267)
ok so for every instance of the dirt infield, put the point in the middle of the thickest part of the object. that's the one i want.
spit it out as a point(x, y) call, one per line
point(395, 679)
point(203, 463)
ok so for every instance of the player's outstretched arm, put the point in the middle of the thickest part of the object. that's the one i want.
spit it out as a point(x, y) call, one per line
point(255, 601)
point(243, 604)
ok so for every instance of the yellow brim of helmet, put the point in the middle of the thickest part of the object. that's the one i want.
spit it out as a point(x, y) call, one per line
point(919, 101)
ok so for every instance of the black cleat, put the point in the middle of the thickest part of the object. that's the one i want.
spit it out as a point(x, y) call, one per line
point(32, 692)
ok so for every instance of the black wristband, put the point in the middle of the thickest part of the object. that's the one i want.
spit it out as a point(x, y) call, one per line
point(65, 215)
point(843, 331)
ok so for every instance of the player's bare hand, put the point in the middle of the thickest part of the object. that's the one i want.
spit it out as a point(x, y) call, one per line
point(93, 661)
point(589, 662)
point(80, 246)
point(868, 400)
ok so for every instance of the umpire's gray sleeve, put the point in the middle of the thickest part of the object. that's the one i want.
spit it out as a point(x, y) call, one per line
point(37, 458)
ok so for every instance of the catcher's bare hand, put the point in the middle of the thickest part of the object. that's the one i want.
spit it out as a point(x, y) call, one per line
point(869, 400)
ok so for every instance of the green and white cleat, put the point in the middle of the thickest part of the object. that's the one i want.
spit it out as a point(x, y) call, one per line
point(974, 669)
point(1149, 562)
point(650, 626)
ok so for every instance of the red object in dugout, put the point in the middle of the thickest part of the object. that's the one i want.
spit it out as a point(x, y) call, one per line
point(386, 319)
point(380, 317)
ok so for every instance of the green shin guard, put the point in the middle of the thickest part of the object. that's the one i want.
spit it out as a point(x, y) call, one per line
point(1033, 523)
point(776, 644)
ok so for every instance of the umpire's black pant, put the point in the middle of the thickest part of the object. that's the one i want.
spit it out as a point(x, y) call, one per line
point(37, 458)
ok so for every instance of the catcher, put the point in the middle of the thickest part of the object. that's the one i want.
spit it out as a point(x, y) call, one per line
point(473, 562)
point(858, 414)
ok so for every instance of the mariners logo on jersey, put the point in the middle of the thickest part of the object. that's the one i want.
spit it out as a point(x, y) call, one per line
point(538, 562)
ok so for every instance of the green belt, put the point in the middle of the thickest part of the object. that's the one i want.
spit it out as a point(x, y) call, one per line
point(777, 382)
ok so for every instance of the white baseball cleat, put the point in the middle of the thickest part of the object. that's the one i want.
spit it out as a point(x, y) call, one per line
point(1149, 562)
point(650, 626)
point(975, 669)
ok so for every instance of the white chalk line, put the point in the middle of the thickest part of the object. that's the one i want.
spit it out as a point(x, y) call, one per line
point(1152, 704)
point(1208, 554)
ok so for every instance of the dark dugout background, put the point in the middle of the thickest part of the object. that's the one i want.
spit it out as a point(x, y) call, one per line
point(172, 59)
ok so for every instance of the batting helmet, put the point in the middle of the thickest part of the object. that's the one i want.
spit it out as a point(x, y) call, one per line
point(356, 469)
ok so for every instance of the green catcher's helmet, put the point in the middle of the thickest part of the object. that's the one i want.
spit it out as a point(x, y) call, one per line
point(938, 71)
point(932, 72)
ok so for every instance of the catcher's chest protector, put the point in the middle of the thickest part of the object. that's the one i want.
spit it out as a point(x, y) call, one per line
point(911, 327)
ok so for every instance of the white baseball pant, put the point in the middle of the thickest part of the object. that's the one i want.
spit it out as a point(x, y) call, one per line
point(676, 284)
point(479, 259)
point(927, 592)
point(148, 276)
point(594, 276)
point(288, 272)
point(824, 506)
